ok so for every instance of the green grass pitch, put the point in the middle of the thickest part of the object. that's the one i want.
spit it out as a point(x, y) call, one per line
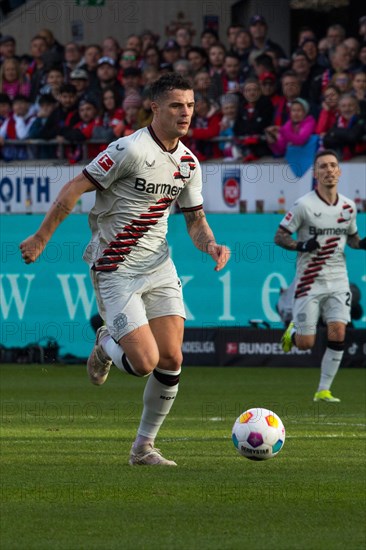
point(66, 483)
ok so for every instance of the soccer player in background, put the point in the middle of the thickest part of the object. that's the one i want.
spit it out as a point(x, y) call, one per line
point(325, 221)
point(139, 295)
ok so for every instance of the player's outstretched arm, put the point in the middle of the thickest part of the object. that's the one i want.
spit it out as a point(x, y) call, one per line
point(285, 240)
point(34, 245)
point(203, 238)
point(354, 241)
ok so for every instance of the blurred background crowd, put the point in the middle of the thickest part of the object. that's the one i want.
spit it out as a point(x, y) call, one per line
point(251, 98)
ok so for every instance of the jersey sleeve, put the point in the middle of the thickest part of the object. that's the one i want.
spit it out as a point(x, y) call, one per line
point(352, 228)
point(191, 196)
point(113, 163)
point(293, 219)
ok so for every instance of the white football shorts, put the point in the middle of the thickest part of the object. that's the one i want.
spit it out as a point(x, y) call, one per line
point(330, 308)
point(128, 301)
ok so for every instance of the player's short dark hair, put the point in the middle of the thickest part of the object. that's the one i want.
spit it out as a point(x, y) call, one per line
point(167, 83)
point(325, 152)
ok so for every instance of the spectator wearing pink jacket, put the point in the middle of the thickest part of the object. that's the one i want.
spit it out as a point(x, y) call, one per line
point(296, 131)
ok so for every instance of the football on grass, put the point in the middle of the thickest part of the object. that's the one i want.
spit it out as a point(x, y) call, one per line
point(258, 434)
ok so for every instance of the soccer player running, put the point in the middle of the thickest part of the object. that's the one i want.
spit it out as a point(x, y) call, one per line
point(325, 221)
point(139, 295)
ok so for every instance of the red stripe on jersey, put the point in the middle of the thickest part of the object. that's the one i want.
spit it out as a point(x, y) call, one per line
point(116, 251)
point(316, 263)
point(128, 235)
point(158, 208)
point(187, 158)
point(165, 200)
point(306, 281)
point(108, 260)
point(140, 229)
point(322, 254)
point(313, 270)
point(123, 242)
point(305, 289)
point(151, 216)
point(105, 267)
point(144, 222)
point(332, 240)
point(330, 247)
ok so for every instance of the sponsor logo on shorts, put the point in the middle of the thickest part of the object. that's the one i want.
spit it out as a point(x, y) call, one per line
point(105, 162)
point(120, 321)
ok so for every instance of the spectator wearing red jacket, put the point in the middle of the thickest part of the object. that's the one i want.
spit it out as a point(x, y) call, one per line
point(329, 112)
point(291, 89)
point(81, 131)
point(16, 127)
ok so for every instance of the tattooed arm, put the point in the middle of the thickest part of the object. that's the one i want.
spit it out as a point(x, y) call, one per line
point(203, 238)
point(354, 241)
point(284, 239)
point(34, 245)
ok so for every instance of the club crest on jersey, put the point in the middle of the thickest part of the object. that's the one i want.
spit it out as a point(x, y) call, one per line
point(105, 162)
point(345, 214)
point(186, 166)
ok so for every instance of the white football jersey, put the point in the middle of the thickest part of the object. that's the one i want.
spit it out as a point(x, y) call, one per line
point(332, 224)
point(137, 181)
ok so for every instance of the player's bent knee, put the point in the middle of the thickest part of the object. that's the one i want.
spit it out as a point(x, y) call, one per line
point(171, 361)
point(146, 365)
point(143, 362)
point(304, 342)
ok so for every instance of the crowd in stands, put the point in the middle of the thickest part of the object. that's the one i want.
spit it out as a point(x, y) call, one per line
point(251, 99)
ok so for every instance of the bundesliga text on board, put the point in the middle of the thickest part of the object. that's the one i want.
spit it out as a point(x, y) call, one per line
point(259, 348)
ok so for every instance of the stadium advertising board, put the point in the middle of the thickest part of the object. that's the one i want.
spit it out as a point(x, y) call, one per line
point(226, 188)
point(53, 298)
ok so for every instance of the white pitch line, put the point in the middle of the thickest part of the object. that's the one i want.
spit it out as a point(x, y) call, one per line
point(305, 436)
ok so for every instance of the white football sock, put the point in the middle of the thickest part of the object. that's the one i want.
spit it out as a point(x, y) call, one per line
point(118, 356)
point(159, 395)
point(329, 368)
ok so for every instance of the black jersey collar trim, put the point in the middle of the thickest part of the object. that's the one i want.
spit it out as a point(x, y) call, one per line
point(326, 202)
point(161, 145)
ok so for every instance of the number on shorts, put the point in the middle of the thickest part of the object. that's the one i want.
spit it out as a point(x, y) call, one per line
point(348, 299)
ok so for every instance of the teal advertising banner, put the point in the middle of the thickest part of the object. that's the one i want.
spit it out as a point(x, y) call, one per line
point(53, 298)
